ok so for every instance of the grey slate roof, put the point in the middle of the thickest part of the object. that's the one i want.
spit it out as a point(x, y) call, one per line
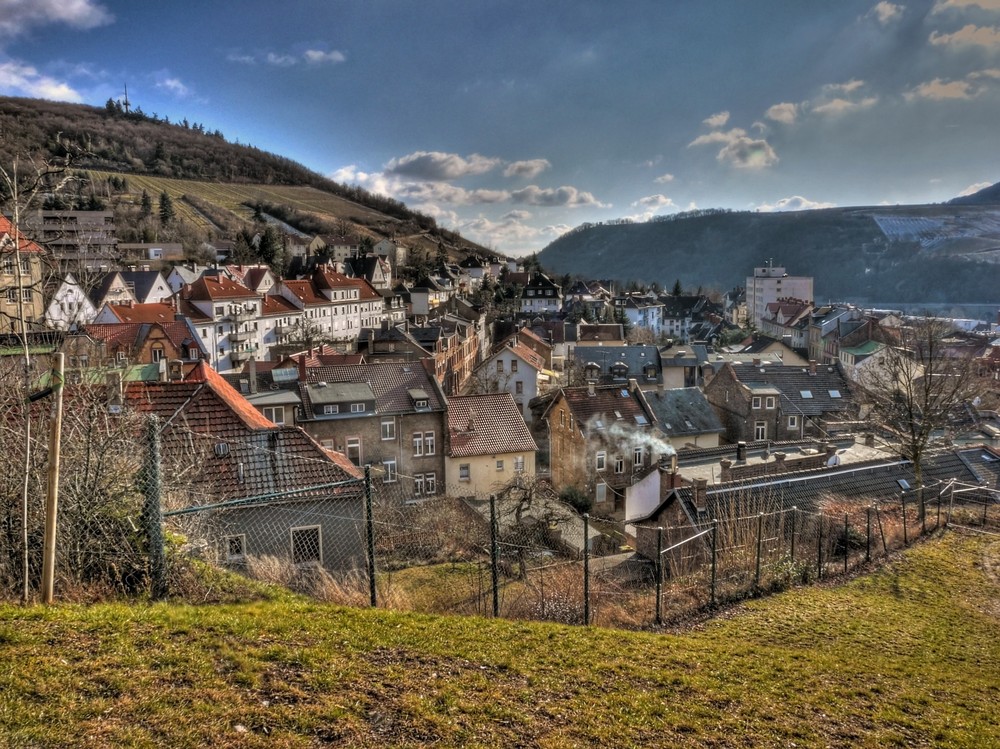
point(827, 391)
point(390, 382)
point(683, 411)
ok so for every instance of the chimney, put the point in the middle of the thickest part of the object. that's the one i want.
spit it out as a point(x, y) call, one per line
point(301, 361)
point(812, 366)
point(669, 477)
point(472, 422)
point(590, 388)
point(779, 462)
point(253, 374)
point(741, 452)
point(726, 470)
point(869, 439)
point(756, 362)
point(831, 450)
point(699, 495)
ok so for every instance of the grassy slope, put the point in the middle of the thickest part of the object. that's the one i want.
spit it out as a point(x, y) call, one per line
point(907, 657)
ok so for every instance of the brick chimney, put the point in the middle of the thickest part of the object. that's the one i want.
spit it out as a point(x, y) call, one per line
point(301, 361)
point(725, 470)
point(779, 462)
point(253, 374)
point(741, 451)
point(700, 495)
point(812, 366)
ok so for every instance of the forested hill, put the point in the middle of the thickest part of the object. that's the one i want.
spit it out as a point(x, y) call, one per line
point(898, 254)
point(134, 142)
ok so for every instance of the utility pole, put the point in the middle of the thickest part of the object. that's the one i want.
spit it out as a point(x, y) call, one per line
point(52, 495)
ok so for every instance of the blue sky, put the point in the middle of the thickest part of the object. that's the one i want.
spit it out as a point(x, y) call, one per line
point(515, 121)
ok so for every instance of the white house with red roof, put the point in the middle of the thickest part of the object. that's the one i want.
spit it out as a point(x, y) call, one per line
point(514, 368)
point(226, 315)
point(69, 306)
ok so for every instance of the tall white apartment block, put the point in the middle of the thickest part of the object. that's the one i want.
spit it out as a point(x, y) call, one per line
point(769, 284)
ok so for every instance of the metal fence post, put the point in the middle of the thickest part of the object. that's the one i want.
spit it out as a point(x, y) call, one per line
point(868, 534)
point(152, 511)
point(937, 523)
point(795, 513)
point(370, 536)
point(951, 505)
point(819, 549)
point(906, 537)
point(760, 543)
point(659, 575)
point(986, 507)
point(923, 513)
point(881, 530)
point(847, 539)
point(586, 569)
point(495, 555)
point(715, 534)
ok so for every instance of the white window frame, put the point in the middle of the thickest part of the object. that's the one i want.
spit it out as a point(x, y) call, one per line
point(271, 411)
point(601, 492)
point(418, 444)
point(418, 485)
point(518, 464)
point(429, 445)
point(769, 402)
point(755, 403)
point(759, 430)
point(499, 464)
point(601, 460)
point(793, 421)
point(329, 410)
point(464, 472)
point(357, 408)
point(619, 464)
point(637, 456)
point(430, 484)
point(391, 475)
point(353, 442)
point(388, 429)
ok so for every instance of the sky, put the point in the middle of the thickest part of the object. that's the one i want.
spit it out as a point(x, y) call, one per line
point(513, 122)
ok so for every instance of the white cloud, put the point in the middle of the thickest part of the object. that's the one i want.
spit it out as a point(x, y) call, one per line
point(885, 12)
point(794, 203)
point(528, 169)
point(940, 90)
point(435, 165)
point(559, 196)
point(973, 189)
point(316, 56)
point(748, 153)
point(655, 202)
point(842, 106)
point(20, 79)
point(843, 88)
point(664, 179)
point(18, 16)
point(717, 120)
point(943, 5)
point(281, 61)
point(516, 215)
point(785, 112)
point(242, 59)
point(556, 230)
point(444, 193)
point(969, 35)
point(174, 86)
point(719, 136)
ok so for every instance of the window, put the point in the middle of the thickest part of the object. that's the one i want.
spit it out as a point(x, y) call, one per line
point(834, 393)
point(354, 450)
point(519, 464)
point(760, 430)
point(806, 393)
point(430, 484)
point(120, 356)
point(463, 472)
point(518, 387)
point(235, 548)
point(499, 465)
point(357, 408)
point(25, 295)
point(769, 402)
point(513, 365)
point(499, 366)
point(388, 429)
point(157, 353)
point(428, 443)
point(619, 464)
point(418, 444)
point(756, 402)
point(637, 457)
point(601, 495)
point(327, 410)
point(275, 414)
point(307, 545)
point(418, 484)
point(389, 466)
point(602, 458)
point(793, 422)
point(12, 296)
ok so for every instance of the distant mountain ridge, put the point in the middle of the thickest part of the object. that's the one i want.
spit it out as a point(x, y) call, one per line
point(931, 254)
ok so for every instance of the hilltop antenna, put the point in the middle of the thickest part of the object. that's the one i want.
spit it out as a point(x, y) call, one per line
point(125, 103)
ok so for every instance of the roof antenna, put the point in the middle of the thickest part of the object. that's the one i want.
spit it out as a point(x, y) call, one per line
point(125, 104)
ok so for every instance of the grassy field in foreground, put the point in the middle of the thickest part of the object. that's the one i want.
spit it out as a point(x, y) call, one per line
point(909, 656)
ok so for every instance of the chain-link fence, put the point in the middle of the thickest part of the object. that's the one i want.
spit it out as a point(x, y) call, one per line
point(127, 516)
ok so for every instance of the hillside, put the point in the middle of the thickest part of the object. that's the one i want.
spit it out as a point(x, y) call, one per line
point(878, 255)
point(143, 152)
point(905, 657)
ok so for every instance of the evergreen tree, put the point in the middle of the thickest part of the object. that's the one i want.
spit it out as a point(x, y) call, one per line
point(678, 289)
point(166, 208)
point(145, 205)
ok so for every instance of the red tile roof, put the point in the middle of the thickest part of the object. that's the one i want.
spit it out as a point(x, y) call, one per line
point(216, 288)
point(140, 313)
point(130, 334)
point(486, 424)
point(306, 292)
point(278, 305)
point(611, 404)
point(7, 231)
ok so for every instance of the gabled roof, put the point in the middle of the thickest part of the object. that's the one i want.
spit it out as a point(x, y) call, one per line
point(141, 281)
point(808, 394)
point(236, 451)
point(683, 411)
point(7, 235)
point(390, 381)
point(152, 312)
point(522, 352)
point(274, 305)
point(216, 288)
point(603, 406)
point(101, 289)
point(131, 335)
point(486, 424)
point(600, 332)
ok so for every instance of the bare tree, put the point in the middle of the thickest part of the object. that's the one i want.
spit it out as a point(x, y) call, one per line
point(917, 384)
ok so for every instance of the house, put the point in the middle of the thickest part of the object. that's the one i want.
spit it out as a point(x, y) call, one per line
point(336, 247)
point(250, 488)
point(111, 288)
point(226, 315)
point(20, 278)
point(541, 295)
point(779, 403)
point(75, 239)
point(769, 284)
point(787, 319)
point(760, 346)
point(488, 444)
point(684, 366)
point(685, 417)
point(155, 254)
point(258, 278)
point(602, 440)
point(512, 368)
point(391, 415)
point(70, 305)
point(642, 311)
point(608, 365)
point(146, 286)
point(127, 343)
point(374, 269)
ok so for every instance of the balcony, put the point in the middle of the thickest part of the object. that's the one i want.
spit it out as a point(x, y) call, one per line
point(238, 314)
point(240, 336)
point(243, 353)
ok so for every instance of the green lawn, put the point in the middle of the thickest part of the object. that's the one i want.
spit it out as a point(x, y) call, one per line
point(907, 657)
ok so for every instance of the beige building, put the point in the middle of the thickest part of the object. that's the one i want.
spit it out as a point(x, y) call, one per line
point(20, 280)
point(769, 284)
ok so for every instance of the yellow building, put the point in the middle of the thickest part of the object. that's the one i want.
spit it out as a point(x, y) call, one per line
point(21, 291)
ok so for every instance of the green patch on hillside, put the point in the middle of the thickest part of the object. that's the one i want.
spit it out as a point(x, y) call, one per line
point(906, 657)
